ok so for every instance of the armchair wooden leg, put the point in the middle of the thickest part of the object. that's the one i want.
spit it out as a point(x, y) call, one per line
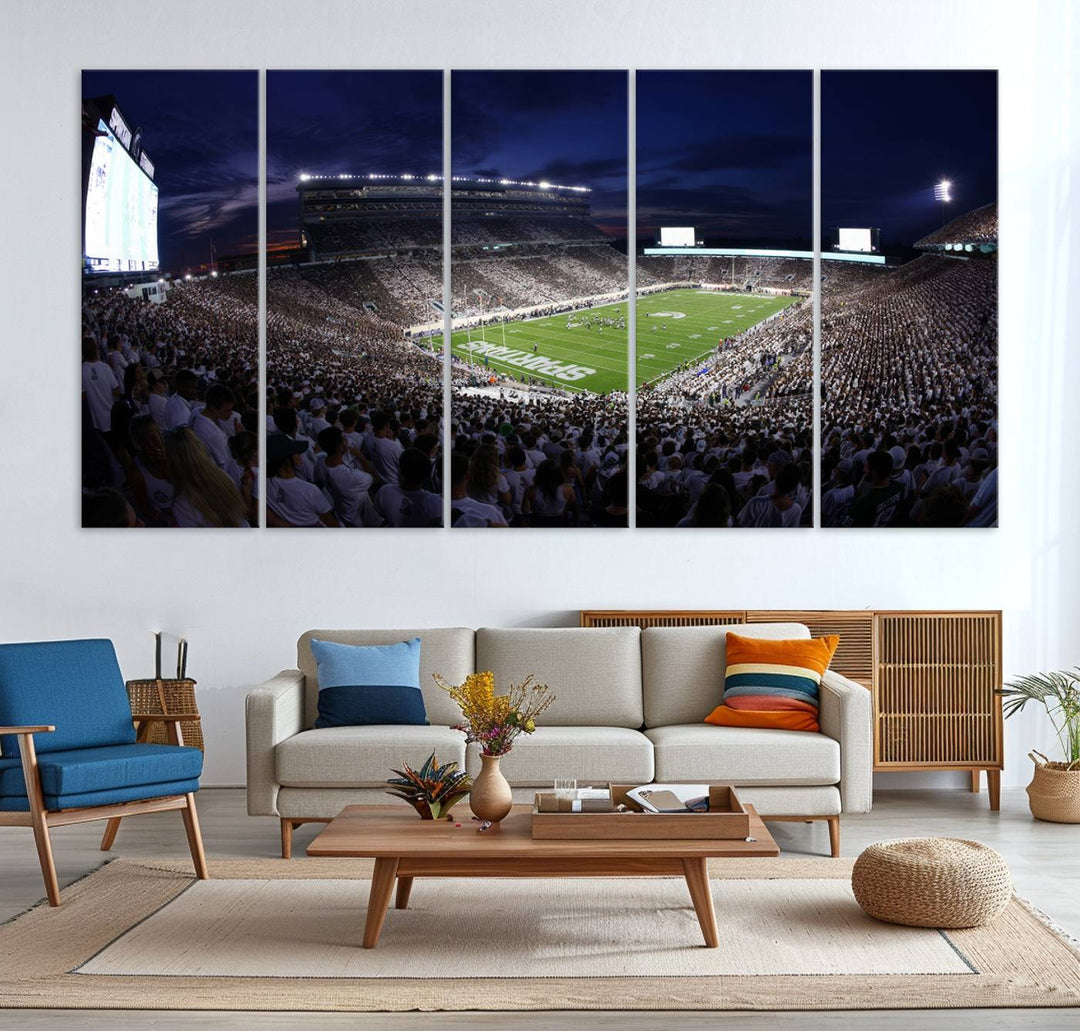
point(834, 836)
point(28, 755)
point(109, 836)
point(286, 839)
point(191, 825)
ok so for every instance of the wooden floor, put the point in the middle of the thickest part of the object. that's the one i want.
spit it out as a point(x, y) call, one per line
point(1043, 858)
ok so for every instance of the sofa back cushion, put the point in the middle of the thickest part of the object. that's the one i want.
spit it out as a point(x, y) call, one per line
point(594, 673)
point(449, 651)
point(683, 667)
point(74, 685)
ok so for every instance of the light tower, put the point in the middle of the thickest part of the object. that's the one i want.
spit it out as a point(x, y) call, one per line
point(943, 195)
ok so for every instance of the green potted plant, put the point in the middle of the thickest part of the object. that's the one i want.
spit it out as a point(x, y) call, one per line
point(432, 790)
point(1054, 792)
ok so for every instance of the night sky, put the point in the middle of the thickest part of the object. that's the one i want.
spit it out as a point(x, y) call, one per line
point(565, 127)
point(729, 152)
point(326, 123)
point(201, 131)
point(888, 137)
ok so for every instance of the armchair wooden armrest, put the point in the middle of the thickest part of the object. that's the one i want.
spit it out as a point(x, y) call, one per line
point(43, 729)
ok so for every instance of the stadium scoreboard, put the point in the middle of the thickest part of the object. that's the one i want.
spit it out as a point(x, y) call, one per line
point(677, 236)
point(120, 199)
point(858, 240)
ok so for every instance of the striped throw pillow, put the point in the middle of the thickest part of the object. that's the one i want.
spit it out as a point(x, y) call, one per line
point(773, 684)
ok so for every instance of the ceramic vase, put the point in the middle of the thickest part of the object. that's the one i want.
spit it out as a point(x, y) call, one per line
point(490, 798)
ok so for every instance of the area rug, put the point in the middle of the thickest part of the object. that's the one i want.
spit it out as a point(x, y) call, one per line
point(268, 934)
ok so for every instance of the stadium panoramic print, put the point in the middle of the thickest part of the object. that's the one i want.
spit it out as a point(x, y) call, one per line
point(468, 325)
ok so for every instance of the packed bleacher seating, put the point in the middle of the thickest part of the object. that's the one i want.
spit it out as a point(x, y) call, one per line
point(170, 403)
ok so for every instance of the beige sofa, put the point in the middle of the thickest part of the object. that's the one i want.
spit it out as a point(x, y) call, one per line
point(629, 707)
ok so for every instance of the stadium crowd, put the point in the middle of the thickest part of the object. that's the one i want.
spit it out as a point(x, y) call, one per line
point(169, 406)
point(909, 395)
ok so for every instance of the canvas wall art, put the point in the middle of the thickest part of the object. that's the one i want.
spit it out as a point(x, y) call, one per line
point(909, 349)
point(170, 388)
point(539, 299)
point(354, 392)
point(724, 340)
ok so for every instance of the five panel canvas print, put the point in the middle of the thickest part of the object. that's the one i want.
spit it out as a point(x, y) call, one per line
point(551, 412)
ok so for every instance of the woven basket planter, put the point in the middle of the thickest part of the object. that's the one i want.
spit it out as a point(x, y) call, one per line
point(167, 698)
point(932, 882)
point(1054, 791)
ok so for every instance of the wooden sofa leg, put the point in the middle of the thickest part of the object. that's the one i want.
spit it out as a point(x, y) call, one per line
point(109, 836)
point(286, 838)
point(834, 836)
point(194, 836)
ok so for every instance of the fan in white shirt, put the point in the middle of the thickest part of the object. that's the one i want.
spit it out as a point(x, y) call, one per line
point(291, 501)
point(407, 503)
point(206, 424)
point(100, 386)
point(349, 487)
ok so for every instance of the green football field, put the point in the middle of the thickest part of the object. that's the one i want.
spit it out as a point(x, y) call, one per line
point(673, 328)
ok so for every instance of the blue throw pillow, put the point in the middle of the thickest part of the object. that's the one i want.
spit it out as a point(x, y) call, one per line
point(360, 685)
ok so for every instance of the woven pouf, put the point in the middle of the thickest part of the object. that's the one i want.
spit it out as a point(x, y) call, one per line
point(932, 882)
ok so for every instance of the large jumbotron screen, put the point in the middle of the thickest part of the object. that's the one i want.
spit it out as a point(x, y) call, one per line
point(121, 210)
point(678, 236)
point(856, 240)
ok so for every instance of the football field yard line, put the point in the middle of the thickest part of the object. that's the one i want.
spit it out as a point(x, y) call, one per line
point(695, 320)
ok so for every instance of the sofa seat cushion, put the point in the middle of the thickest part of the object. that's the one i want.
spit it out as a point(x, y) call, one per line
point(81, 771)
point(362, 757)
point(585, 754)
point(744, 755)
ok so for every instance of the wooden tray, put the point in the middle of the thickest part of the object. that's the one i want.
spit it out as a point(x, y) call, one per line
point(726, 819)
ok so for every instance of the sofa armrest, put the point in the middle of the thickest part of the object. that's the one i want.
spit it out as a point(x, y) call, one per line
point(846, 716)
point(274, 711)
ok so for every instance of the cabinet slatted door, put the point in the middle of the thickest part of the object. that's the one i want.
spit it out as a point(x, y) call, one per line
point(935, 700)
point(854, 656)
point(643, 618)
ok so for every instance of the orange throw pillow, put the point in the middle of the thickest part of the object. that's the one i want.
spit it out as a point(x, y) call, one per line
point(773, 684)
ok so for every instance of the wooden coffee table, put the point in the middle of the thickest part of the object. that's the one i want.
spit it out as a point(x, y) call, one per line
point(404, 846)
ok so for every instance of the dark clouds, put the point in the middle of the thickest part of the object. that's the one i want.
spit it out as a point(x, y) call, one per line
point(566, 127)
point(888, 137)
point(200, 129)
point(356, 122)
point(728, 152)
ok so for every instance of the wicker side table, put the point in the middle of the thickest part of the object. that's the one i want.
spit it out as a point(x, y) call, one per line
point(932, 882)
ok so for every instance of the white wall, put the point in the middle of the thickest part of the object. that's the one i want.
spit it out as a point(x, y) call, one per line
point(244, 597)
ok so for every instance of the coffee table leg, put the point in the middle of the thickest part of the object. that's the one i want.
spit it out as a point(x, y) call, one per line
point(404, 887)
point(382, 885)
point(697, 880)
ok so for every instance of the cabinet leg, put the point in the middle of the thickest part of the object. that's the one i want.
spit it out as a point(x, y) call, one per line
point(993, 787)
point(975, 782)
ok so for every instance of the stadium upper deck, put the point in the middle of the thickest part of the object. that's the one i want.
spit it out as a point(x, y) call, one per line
point(367, 215)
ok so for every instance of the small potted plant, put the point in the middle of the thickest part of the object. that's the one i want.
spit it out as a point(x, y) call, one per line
point(1054, 792)
point(432, 790)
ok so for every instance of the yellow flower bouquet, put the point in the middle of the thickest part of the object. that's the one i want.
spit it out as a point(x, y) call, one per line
point(494, 721)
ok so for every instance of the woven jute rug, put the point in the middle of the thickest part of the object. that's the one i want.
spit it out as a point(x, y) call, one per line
point(274, 935)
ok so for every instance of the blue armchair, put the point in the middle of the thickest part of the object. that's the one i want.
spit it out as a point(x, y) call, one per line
point(68, 749)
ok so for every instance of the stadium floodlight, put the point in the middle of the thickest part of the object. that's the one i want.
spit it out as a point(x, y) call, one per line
point(304, 177)
point(187, 278)
point(941, 191)
point(213, 273)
